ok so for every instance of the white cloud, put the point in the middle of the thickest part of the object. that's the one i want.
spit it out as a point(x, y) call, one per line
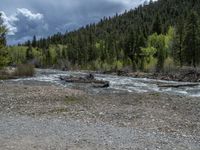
point(8, 22)
point(29, 23)
point(23, 24)
point(28, 14)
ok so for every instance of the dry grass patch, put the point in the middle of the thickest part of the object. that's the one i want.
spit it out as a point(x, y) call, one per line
point(24, 70)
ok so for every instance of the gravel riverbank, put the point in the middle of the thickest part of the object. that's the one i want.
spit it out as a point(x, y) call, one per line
point(47, 117)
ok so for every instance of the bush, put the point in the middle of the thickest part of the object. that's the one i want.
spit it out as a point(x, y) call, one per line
point(25, 70)
point(151, 65)
point(118, 65)
point(97, 65)
point(106, 66)
point(169, 65)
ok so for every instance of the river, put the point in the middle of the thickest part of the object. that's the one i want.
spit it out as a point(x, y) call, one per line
point(117, 83)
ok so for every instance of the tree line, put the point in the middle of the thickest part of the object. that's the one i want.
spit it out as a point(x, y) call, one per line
point(152, 37)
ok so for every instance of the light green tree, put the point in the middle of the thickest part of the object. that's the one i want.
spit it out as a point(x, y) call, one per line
point(156, 47)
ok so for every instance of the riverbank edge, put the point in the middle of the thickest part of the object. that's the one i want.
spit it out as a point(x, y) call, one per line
point(180, 75)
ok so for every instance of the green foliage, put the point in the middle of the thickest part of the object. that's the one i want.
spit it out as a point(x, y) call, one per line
point(161, 52)
point(169, 65)
point(29, 53)
point(169, 40)
point(34, 41)
point(151, 65)
point(192, 40)
point(133, 44)
point(118, 65)
point(148, 54)
point(153, 33)
point(156, 45)
point(97, 65)
point(177, 46)
point(17, 54)
point(149, 51)
point(157, 26)
point(105, 66)
point(4, 59)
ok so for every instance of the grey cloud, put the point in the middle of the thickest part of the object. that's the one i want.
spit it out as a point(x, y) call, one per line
point(45, 17)
point(29, 23)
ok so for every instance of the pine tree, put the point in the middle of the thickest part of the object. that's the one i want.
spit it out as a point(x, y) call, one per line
point(192, 40)
point(64, 53)
point(3, 51)
point(133, 45)
point(157, 26)
point(140, 43)
point(48, 57)
point(29, 51)
point(34, 42)
point(177, 46)
point(161, 53)
point(129, 48)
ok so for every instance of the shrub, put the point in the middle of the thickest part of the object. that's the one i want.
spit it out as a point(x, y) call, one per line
point(169, 65)
point(97, 65)
point(106, 66)
point(151, 65)
point(25, 70)
point(118, 65)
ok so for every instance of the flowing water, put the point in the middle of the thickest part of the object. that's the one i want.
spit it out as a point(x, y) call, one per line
point(117, 83)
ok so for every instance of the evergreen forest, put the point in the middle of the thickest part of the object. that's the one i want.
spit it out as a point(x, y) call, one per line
point(154, 37)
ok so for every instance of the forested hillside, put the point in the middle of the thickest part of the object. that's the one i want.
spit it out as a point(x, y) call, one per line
point(153, 37)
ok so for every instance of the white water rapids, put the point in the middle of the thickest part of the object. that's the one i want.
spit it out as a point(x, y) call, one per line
point(117, 83)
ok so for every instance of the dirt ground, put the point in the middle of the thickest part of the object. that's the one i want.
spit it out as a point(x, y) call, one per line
point(54, 118)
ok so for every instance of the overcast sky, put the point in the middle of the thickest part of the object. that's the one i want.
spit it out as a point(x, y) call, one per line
point(25, 18)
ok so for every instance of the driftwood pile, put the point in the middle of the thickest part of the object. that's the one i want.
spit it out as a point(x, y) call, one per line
point(89, 79)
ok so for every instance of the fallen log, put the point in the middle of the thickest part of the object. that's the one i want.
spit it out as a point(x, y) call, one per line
point(106, 84)
point(96, 83)
point(178, 85)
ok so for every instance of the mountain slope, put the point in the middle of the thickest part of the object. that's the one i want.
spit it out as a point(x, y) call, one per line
point(117, 40)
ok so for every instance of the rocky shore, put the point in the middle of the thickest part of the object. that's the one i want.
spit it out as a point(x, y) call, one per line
point(49, 117)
